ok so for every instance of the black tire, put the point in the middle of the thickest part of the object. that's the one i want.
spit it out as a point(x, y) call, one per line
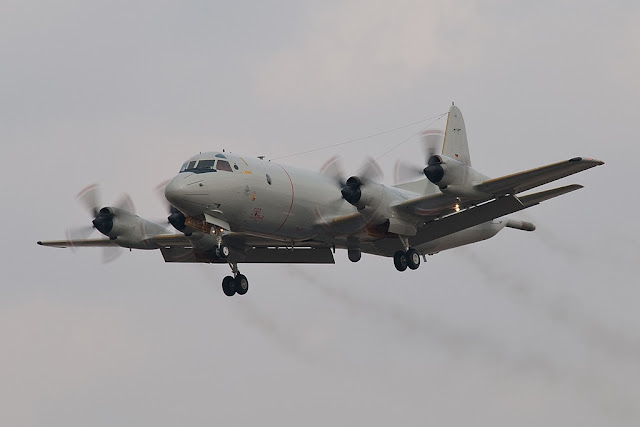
point(413, 259)
point(241, 284)
point(222, 252)
point(228, 286)
point(400, 260)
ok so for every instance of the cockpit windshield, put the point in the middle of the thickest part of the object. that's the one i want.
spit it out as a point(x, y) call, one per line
point(206, 165)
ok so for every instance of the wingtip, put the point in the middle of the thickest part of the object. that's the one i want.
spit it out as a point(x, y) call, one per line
point(587, 159)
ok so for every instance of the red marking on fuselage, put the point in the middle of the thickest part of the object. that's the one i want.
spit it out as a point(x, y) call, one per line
point(292, 197)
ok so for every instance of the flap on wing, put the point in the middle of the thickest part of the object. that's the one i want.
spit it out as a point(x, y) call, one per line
point(168, 240)
point(466, 219)
point(483, 213)
point(523, 181)
point(254, 255)
point(535, 198)
point(345, 224)
point(431, 205)
point(90, 243)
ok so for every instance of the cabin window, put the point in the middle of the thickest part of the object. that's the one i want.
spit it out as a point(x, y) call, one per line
point(268, 179)
point(223, 165)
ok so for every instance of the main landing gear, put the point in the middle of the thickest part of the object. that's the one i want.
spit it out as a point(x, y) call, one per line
point(236, 284)
point(407, 258)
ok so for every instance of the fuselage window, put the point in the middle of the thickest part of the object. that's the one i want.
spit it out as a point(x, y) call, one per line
point(269, 179)
point(223, 165)
point(205, 165)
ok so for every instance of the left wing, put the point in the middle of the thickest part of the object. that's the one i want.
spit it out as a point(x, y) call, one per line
point(526, 180)
point(468, 218)
point(440, 204)
point(485, 212)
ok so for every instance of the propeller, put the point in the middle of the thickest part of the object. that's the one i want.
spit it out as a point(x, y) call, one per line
point(350, 188)
point(90, 198)
point(431, 144)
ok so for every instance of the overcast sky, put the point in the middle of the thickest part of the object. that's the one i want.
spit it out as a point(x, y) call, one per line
point(524, 329)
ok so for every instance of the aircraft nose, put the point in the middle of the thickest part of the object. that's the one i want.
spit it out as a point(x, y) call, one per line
point(175, 190)
point(188, 193)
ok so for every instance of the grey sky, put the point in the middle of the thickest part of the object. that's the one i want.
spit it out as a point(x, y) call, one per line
point(523, 329)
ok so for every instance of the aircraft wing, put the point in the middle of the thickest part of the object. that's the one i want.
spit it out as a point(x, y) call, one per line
point(93, 243)
point(431, 205)
point(469, 217)
point(485, 212)
point(254, 249)
point(523, 181)
point(249, 249)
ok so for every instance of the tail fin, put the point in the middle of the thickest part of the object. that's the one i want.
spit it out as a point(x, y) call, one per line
point(455, 138)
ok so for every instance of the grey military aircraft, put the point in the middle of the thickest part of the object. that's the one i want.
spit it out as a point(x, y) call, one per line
point(233, 209)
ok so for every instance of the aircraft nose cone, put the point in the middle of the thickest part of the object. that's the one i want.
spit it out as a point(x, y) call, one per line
point(175, 190)
point(188, 193)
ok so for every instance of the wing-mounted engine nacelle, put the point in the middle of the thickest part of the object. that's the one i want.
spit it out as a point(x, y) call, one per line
point(371, 198)
point(124, 228)
point(453, 177)
point(363, 194)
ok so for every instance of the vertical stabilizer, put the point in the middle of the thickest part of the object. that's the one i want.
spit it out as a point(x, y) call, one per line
point(455, 138)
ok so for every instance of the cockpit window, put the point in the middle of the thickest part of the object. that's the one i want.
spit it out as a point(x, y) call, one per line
point(184, 166)
point(221, 156)
point(190, 166)
point(223, 165)
point(205, 165)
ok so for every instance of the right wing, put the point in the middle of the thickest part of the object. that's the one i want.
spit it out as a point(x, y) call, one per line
point(92, 243)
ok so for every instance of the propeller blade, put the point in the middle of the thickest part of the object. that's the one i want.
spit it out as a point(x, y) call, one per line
point(371, 171)
point(333, 169)
point(89, 197)
point(159, 190)
point(78, 233)
point(125, 203)
point(407, 172)
point(431, 143)
point(110, 253)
